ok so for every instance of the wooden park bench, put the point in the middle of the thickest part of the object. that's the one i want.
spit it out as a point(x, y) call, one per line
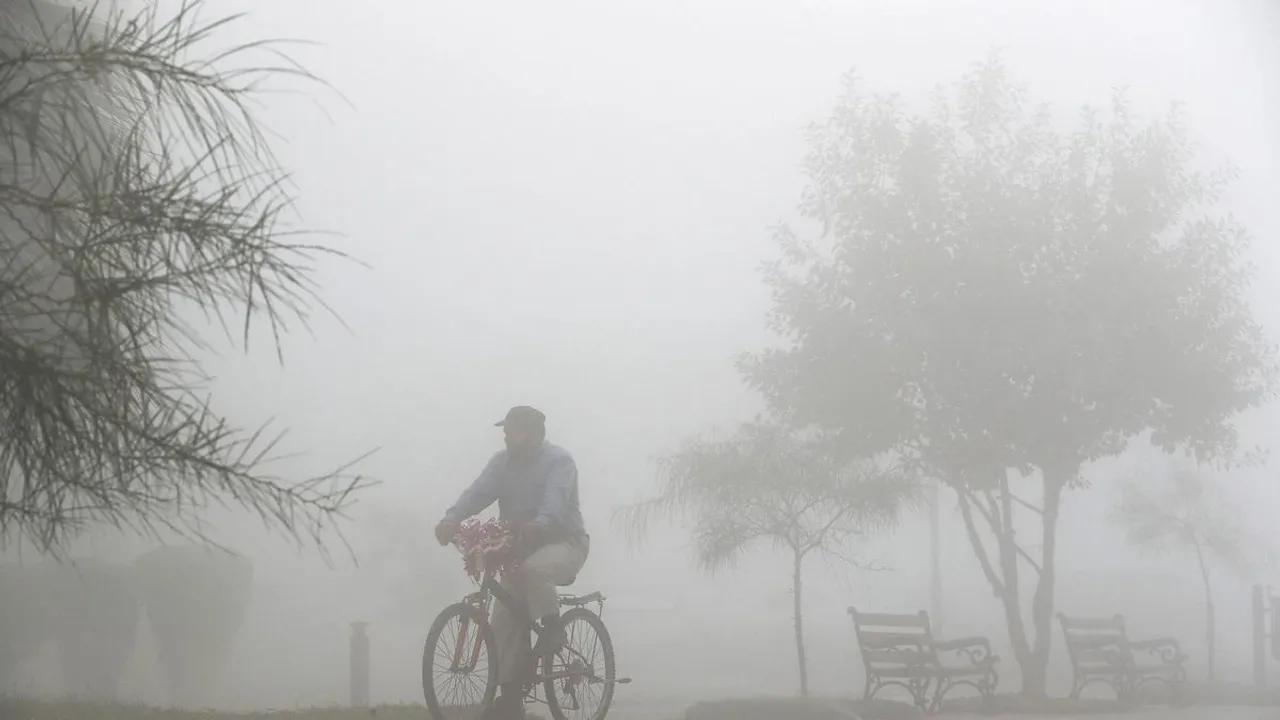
point(1101, 651)
point(901, 650)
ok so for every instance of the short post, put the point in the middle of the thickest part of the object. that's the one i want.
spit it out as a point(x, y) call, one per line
point(359, 664)
point(1259, 636)
point(1273, 610)
point(935, 561)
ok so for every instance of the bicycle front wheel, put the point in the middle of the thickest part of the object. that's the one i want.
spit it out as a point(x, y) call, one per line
point(580, 678)
point(459, 664)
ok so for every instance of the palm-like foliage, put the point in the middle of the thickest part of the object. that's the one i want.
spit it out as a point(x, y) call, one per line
point(137, 196)
point(769, 485)
point(1188, 515)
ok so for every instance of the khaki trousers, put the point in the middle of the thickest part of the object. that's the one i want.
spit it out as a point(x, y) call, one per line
point(534, 583)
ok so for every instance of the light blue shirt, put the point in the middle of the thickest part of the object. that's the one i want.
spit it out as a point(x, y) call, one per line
point(542, 488)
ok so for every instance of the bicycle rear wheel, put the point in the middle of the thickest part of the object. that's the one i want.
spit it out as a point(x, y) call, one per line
point(459, 664)
point(581, 677)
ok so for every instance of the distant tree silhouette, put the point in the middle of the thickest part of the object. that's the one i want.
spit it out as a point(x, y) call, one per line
point(769, 485)
point(1183, 512)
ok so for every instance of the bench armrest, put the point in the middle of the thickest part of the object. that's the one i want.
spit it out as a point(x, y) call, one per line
point(978, 649)
point(1167, 649)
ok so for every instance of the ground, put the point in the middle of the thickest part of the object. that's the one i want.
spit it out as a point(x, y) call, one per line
point(1164, 713)
point(23, 710)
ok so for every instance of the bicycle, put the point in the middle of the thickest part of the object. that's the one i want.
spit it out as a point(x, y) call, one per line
point(565, 677)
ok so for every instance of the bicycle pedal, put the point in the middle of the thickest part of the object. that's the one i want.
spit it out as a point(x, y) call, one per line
point(623, 681)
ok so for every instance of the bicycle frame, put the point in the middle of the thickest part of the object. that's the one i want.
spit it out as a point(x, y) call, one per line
point(482, 598)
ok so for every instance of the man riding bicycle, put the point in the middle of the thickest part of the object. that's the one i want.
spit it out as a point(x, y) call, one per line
point(535, 485)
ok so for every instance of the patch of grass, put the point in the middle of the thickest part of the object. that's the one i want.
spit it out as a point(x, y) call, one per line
point(22, 709)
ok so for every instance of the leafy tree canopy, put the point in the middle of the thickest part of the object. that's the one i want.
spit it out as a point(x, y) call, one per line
point(992, 292)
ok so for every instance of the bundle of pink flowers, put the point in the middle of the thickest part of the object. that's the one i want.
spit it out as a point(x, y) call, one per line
point(484, 543)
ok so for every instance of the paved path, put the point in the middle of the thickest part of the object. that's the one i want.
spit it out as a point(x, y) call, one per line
point(1205, 713)
point(1180, 714)
point(676, 712)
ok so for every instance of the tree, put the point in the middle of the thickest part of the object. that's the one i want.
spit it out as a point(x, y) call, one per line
point(1187, 515)
point(1003, 302)
point(138, 196)
point(768, 485)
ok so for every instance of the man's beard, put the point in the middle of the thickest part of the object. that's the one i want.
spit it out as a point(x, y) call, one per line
point(520, 449)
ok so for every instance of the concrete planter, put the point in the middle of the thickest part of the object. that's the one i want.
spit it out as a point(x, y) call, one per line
point(196, 599)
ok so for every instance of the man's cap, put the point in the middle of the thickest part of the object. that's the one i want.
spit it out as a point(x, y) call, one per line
point(523, 416)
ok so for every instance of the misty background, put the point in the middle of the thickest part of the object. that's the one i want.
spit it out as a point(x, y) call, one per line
point(565, 204)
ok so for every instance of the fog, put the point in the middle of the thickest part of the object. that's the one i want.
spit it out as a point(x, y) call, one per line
point(566, 205)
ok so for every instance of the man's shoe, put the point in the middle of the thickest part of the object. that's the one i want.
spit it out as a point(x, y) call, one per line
point(551, 637)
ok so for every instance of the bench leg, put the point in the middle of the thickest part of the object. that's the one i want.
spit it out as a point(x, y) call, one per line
point(939, 692)
point(867, 691)
point(1127, 690)
point(1175, 683)
point(1077, 686)
point(874, 685)
point(919, 688)
point(1178, 688)
point(985, 685)
point(989, 685)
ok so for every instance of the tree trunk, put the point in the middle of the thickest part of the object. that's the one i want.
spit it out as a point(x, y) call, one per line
point(935, 561)
point(1210, 616)
point(797, 590)
point(1035, 676)
point(1030, 649)
point(1004, 582)
point(1023, 650)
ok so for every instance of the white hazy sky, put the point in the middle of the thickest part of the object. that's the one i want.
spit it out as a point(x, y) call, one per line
point(565, 204)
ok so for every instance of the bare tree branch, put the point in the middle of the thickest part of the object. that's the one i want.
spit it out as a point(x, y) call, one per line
point(967, 504)
point(1037, 510)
